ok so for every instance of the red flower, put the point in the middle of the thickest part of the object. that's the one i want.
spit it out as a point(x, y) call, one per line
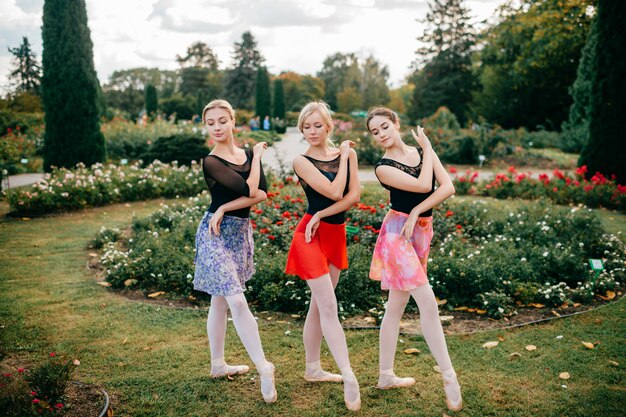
point(453, 170)
point(621, 189)
point(52, 354)
point(555, 189)
point(7, 375)
point(278, 223)
point(588, 188)
point(36, 401)
point(449, 213)
point(33, 393)
point(20, 370)
point(581, 170)
point(286, 215)
point(544, 178)
point(459, 227)
point(512, 169)
point(271, 237)
point(598, 178)
point(558, 174)
point(59, 406)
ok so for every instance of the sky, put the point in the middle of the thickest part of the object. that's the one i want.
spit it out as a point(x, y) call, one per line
point(292, 35)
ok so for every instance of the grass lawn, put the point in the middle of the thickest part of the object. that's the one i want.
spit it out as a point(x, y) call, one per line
point(154, 361)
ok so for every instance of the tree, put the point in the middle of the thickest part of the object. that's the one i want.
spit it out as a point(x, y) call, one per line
point(126, 88)
point(339, 71)
point(443, 75)
point(300, 89)
point(348, 99)
point(241, 77)
point(605, 151)
point(374, 89)
point(576, 127)
point(151, 100)
point(70, 87)
point(279, 99)
point(529, 60)
point(263, 100)
point(199, 71)
point(27, 72)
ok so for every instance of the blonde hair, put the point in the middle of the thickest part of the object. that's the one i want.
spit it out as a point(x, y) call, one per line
point(323, 109)
point(218, 104)
point(384, 112)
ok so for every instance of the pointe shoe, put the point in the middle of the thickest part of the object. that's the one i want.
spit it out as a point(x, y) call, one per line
point(229, 370)
point(322, 376)
point(394, 382)
point(454, 401)
point(354, 405)
point(268, 372)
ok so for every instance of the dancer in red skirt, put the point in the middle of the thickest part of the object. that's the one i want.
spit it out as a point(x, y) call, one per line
point(401, 253)
point(329, 177)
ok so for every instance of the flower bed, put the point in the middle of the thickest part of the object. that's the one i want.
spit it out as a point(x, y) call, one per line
point(559, 187)
point(64, 189)
point(482, 258)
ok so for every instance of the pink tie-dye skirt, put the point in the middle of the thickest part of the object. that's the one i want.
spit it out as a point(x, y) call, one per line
point(400, 264)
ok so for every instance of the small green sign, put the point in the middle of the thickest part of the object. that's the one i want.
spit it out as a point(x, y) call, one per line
point(597, 267)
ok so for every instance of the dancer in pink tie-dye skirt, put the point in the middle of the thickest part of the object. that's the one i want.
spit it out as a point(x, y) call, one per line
point(401, 253)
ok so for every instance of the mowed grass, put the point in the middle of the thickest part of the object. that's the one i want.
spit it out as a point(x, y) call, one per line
point(155, 361)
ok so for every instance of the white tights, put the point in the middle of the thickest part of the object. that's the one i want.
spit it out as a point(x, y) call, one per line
point(429, 322)
point(244, 322)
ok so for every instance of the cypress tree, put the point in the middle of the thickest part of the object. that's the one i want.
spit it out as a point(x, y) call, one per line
point(151, 100)
point(605, 152)
point(263, 99)
point(27, 74)
point(240, 78)
point(70, 87)
point(279, 99)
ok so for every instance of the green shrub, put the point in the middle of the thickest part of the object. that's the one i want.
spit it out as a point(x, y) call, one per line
point(183, 148)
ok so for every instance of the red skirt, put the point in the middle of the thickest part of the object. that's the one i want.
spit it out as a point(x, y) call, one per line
point(328, 246)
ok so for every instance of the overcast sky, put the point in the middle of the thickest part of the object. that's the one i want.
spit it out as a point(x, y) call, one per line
point(292, 35)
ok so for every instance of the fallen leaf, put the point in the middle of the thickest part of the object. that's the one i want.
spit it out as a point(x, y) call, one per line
point(156, 294)
point(501, 338)
point(76, 362)
point(147, 348)
point(565, 375)
point(370, 320)
point(536, 305)
point(412, 351)
point(25, 219)
point(441, 302)
point(576, 305)
point(555, 313)
point(614, 363)
point(104, 283)
point(481, 311)
point(269, 318)
point(129, 282)
point(600, 296)
point(124, 342)
point(93, 254)
point(446, 318)
point(462, 308)
point(530, 348)
point(515, 355)
point(610, 295)
point(295, 316)
point(490, 345)
point(471, 310)
point(588, 345)
point(436, 368)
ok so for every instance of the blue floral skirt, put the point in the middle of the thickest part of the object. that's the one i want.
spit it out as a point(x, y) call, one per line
point(224, 263)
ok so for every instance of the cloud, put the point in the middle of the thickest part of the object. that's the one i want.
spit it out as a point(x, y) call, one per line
point(30, 6)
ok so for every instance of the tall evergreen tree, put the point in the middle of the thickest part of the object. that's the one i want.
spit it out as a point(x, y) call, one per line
point(576, 127)
point(443, 75)
point(70, 87)
point(241, 77)
point(152, 101)
point(263, 100)
point(27, 74)
point(279, 99)
point(605, 151)
point(374, 88)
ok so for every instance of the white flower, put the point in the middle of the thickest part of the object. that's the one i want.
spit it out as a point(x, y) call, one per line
point(546, 253)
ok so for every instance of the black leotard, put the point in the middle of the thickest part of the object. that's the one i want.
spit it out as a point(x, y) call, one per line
point(405, 201)
point(318, 201)
point(227, 182)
